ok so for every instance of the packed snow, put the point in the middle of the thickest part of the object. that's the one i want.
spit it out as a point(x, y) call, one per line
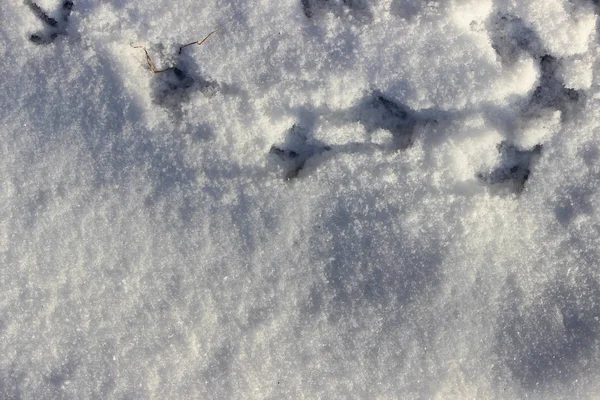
point(327, 199)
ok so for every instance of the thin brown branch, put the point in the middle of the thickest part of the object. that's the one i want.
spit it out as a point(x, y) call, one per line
point(149, 60)
point(199, 42)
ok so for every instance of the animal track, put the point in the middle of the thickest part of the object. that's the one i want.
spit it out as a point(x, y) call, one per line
point(551, 91)
point(514, 168)
point(54, 27)
point(511, 38)
point(297, 150)
point(374, 112)
point(378, 112)
point(355, 10)
point(175, 86)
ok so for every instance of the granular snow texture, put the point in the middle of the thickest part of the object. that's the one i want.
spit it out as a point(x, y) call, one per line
point(327, 199)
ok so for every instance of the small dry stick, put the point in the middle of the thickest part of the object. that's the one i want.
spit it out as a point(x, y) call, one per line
point(149, 60)
point(200, 41)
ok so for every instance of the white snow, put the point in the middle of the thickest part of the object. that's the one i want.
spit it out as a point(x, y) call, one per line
point(371, 199)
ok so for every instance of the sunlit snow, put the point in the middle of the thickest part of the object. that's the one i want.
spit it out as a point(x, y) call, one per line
point(327, 199)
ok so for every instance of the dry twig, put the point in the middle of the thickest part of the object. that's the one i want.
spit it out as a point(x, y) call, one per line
point(149, 60)
point(200, 41)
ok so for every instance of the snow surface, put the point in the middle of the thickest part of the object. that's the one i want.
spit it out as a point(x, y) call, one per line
point(374, 199)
